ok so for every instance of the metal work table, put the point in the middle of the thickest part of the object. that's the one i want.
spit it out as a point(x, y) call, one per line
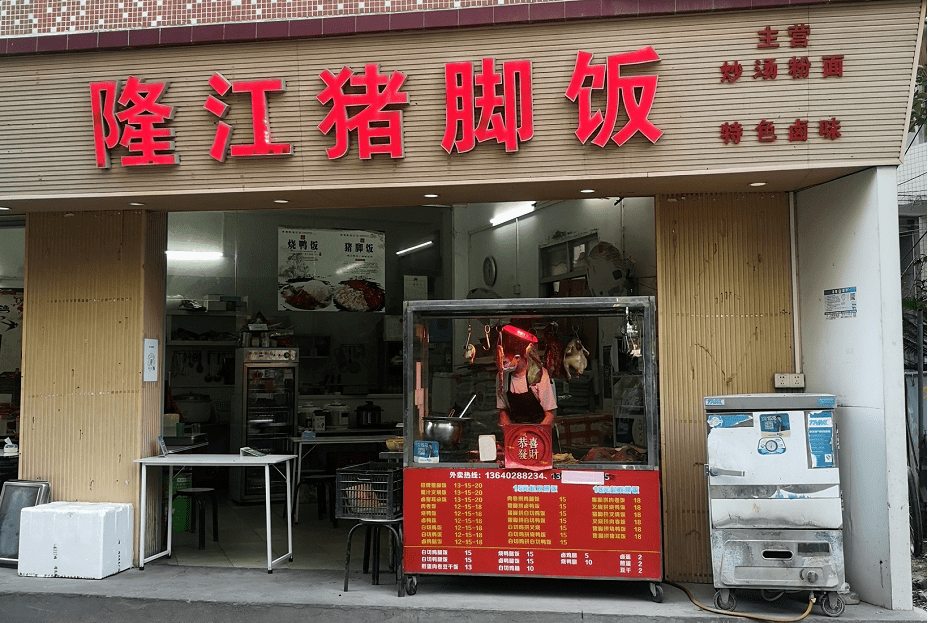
point(216, 460)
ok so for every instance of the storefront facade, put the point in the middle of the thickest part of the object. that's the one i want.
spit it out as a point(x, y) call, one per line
point(694, 108)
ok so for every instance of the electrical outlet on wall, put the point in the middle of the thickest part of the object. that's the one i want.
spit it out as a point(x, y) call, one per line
point(789, 380)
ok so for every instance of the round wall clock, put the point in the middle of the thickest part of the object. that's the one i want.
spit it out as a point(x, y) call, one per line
point(489, 270)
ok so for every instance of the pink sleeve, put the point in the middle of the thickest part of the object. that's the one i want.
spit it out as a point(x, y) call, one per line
point(544, 391)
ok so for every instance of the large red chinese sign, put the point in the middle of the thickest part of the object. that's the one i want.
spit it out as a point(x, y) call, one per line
point(552, 523)
point(482, 105)
point(486, 101)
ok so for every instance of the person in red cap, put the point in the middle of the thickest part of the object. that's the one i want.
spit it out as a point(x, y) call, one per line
point(524, 391)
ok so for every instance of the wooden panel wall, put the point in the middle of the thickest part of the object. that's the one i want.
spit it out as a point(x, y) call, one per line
point(94, 290)
point(724, 327)
point(49, 110)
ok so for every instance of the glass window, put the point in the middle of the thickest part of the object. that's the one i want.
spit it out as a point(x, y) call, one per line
point(580, 367)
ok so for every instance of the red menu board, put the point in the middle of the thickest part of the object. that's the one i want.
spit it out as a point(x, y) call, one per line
point(553, 523)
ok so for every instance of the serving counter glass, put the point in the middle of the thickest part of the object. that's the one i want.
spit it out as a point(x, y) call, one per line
point(510, 495)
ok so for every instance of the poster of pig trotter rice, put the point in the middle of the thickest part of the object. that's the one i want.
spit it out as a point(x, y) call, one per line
point(330, 270)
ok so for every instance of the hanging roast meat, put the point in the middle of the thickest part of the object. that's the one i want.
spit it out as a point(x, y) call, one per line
point(575, 358)
point(554, 352)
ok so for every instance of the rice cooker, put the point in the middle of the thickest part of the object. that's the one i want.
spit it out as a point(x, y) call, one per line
point(338, 415)
point(306, 412)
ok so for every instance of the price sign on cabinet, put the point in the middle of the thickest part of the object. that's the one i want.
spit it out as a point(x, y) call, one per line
point(513, 522)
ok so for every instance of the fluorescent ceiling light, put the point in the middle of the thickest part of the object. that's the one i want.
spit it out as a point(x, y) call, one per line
point(508, 215)
point(4, 208)
point(587, 191)
point(194, 255)
point(281, 201)
point(758, 183)
point(430, 196)
point(414, 248)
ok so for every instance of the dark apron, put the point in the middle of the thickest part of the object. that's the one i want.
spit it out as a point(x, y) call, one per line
point(524, 408)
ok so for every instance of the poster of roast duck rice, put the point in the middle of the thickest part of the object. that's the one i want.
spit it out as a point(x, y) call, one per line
point(330, 270)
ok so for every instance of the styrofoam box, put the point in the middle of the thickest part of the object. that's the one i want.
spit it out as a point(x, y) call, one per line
point(90, 540)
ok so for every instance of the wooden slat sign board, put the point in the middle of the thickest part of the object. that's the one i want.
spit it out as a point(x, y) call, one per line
point(871, 46)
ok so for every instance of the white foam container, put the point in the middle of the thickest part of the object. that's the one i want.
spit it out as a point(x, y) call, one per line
point(87, 540)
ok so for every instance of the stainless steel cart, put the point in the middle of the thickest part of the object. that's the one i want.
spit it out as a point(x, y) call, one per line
point(774, 497)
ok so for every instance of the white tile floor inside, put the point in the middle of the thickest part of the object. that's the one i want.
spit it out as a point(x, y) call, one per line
point(243, 539)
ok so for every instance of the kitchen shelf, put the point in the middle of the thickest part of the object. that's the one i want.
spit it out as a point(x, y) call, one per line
point(198, 343)
point(203, 386)
point(186, 312)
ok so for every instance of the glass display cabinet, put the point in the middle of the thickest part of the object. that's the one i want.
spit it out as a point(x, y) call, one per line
point(531, 439)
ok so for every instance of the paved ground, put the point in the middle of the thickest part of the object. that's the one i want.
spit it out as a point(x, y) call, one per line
point(164, 592)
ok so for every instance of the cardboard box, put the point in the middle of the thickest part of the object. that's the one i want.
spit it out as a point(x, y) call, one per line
point(84, 540)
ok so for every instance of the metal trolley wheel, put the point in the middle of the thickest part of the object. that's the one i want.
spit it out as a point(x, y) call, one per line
point(725, 599)
point(832, 604)
point(657, 592)
point(412, 584)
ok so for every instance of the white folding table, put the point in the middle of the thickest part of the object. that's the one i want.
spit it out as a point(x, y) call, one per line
point(217, 460)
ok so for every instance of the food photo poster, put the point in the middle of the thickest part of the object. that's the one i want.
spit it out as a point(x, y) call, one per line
point(330, 270)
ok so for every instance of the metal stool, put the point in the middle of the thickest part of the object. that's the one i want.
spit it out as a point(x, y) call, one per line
point(372, 543)
point(325, 485)
point(199, 495)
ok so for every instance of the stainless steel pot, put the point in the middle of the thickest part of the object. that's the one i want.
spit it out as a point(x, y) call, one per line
point(446, 430)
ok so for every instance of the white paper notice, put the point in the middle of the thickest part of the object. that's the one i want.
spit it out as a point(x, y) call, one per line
point(840, 303)
point(415, 288)
point(573, 477)
point(151, 361)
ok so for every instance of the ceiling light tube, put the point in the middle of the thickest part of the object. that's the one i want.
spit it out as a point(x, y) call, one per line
point(194, 255)
point(414, 248)
point(511, 214)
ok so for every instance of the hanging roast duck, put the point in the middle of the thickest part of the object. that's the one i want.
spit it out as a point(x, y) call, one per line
point(575, 357)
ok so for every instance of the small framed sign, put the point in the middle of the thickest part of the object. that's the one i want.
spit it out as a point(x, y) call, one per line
point(14, 497)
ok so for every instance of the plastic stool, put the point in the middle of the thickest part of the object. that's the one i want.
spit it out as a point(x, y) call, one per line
point(325, 484)
point(374, 526)
point(199, 495)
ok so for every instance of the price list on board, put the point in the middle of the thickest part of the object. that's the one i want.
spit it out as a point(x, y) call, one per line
point(553, 523)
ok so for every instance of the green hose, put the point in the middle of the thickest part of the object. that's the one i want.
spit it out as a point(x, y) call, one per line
point(755, 617)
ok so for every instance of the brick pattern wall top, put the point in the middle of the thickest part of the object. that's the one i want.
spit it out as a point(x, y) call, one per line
point(30, 18)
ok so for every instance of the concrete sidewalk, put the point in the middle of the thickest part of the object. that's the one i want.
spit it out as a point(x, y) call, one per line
point(165, 592)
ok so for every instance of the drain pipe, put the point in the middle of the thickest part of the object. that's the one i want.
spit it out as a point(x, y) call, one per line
point(794, 276)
